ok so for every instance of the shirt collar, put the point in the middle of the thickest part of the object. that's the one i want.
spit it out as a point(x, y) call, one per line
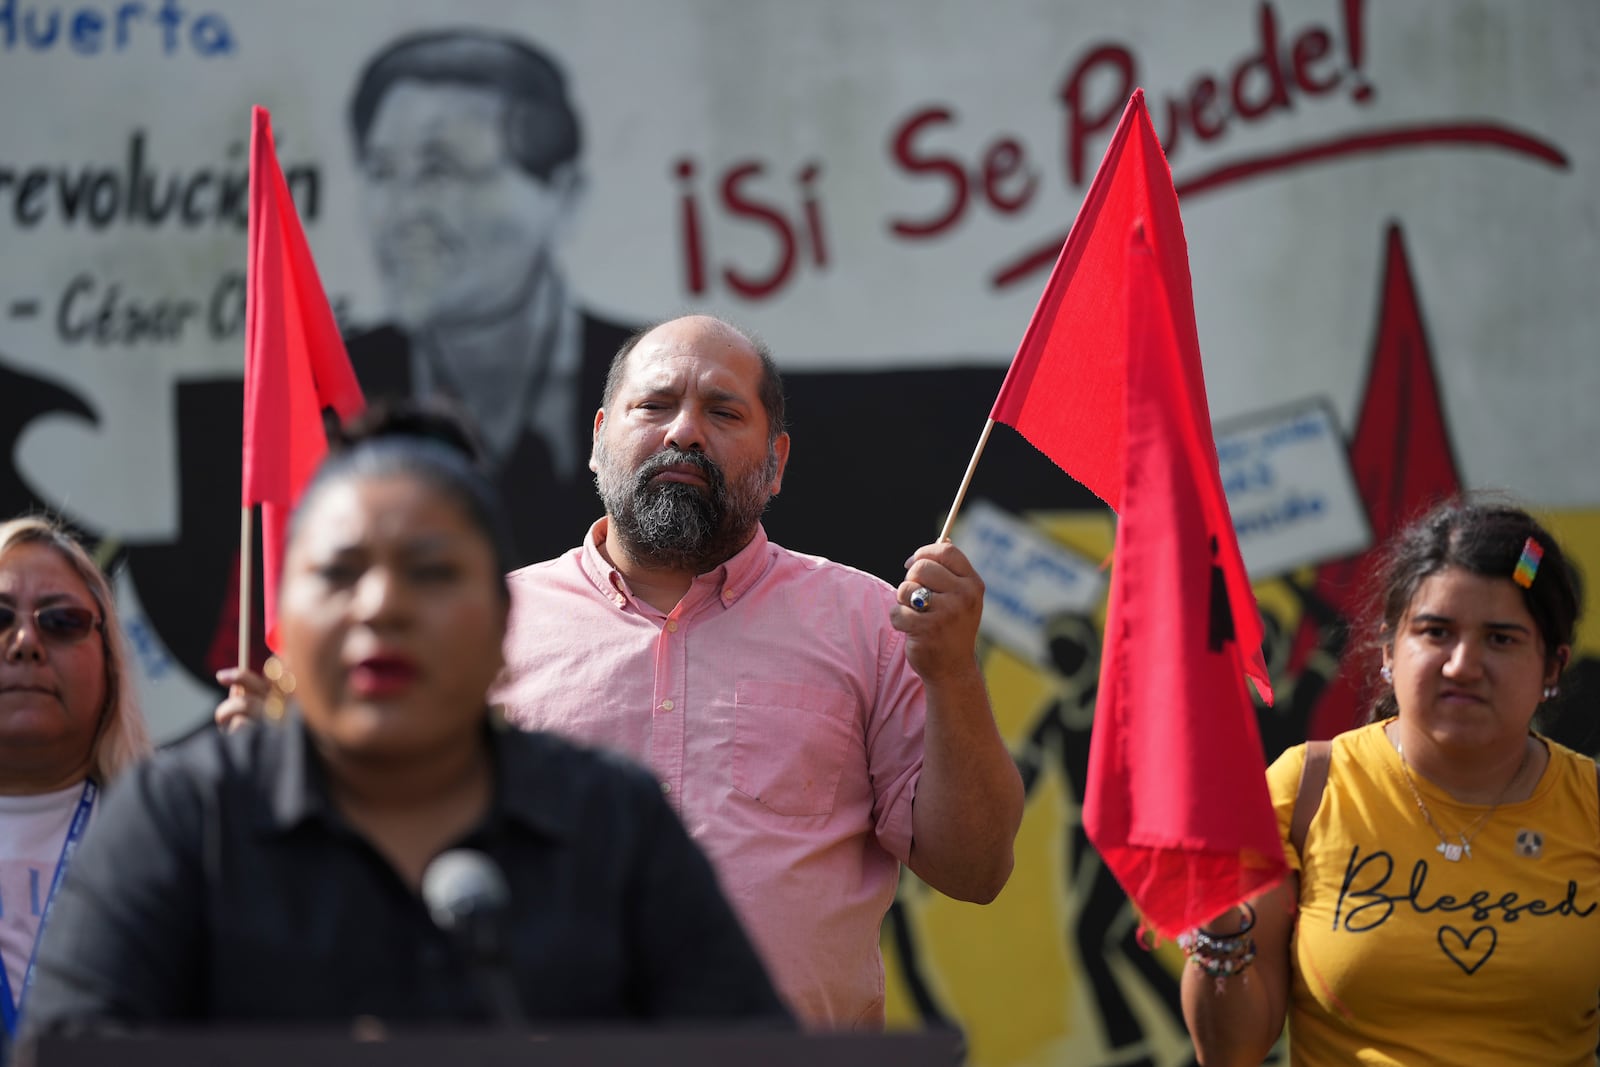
point(733, 579)
point(597, 568)
point(746, 567)
point(524, 791)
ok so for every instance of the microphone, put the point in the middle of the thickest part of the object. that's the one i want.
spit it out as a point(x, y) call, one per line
point(467, 897)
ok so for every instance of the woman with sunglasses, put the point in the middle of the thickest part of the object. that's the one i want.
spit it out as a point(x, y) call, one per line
point(280, 872)
point(68, 724)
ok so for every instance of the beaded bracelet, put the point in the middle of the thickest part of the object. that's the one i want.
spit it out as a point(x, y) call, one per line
point(1234, 948)
point(1222, 955)
point(1231, 945)
point(1226, 967)
point(1200, 940)
point(1247, 912)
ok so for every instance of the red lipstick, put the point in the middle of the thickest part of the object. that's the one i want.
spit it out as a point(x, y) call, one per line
point(382, 676)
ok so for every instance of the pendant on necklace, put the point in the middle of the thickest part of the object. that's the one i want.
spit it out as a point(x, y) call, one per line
point(1451, 852)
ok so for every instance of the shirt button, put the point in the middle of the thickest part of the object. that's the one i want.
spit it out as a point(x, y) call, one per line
point(727, 594)
point(666, 787)
point(666, 705)
point(672, 626)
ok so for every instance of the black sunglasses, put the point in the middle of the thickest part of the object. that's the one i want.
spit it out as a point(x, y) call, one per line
point(62, 624)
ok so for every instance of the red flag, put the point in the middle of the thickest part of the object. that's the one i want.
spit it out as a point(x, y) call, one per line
point(294, 360)
point(1177, 801)
point(1107, 382)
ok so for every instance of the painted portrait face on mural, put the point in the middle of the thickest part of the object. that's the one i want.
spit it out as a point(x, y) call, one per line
point(468, 149)
point(463, 235)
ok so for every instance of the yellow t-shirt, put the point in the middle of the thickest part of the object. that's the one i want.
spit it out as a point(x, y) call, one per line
point(1400, 956)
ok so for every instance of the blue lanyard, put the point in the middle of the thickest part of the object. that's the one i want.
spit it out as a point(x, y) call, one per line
point(11, 1006)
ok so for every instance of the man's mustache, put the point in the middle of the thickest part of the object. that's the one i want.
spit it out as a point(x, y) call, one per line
point(676, 457)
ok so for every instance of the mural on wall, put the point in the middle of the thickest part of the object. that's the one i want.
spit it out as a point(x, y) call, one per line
point(1392, 240)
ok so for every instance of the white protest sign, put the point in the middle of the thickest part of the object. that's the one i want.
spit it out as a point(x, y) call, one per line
point(1286, 473)
point(1028, 577)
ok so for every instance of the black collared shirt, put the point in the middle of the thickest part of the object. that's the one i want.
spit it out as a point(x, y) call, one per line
point(219, 883)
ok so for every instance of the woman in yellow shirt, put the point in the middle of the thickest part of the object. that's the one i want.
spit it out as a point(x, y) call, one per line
point(1443, 906)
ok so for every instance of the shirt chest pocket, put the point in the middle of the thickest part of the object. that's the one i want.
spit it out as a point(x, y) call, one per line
point(790, 744)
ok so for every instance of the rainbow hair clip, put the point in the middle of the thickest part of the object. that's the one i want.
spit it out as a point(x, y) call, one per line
point(1528, 563)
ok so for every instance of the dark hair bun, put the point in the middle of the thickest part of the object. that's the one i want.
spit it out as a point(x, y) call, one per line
point(428, 419)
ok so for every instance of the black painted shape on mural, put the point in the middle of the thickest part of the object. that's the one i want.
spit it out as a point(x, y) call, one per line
point(1061, 735)
point(1283, 723)
point(189, 586)
point(23, 399)
point(1220, 629)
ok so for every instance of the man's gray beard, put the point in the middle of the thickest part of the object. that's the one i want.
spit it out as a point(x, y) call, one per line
point(679, 526)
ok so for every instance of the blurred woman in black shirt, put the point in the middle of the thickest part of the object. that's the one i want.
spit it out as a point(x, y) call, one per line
point(273, 873)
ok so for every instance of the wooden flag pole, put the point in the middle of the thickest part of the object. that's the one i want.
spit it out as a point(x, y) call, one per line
point(244, 588)
point(966, 480)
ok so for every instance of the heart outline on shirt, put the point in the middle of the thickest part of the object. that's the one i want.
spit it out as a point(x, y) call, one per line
point(1466, 946)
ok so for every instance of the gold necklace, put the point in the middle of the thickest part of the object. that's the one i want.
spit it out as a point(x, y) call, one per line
point(1446, 848)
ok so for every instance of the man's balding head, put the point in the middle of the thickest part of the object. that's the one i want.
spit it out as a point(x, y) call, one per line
point(770, 387)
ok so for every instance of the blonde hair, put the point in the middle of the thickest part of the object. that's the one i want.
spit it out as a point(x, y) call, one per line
point(122, 738)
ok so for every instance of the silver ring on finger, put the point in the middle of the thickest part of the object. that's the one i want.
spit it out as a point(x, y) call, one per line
point(920, 598)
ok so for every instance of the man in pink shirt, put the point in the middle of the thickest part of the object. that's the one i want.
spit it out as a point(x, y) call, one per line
point(813, 727)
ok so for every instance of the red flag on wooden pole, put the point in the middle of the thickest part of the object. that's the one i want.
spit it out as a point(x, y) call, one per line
point(1107, 382)
point(294, 366)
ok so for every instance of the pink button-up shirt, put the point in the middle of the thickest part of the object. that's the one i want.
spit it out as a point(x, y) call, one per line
point(776, 706)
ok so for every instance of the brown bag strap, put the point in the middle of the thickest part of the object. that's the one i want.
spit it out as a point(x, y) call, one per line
point(1313, 778)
